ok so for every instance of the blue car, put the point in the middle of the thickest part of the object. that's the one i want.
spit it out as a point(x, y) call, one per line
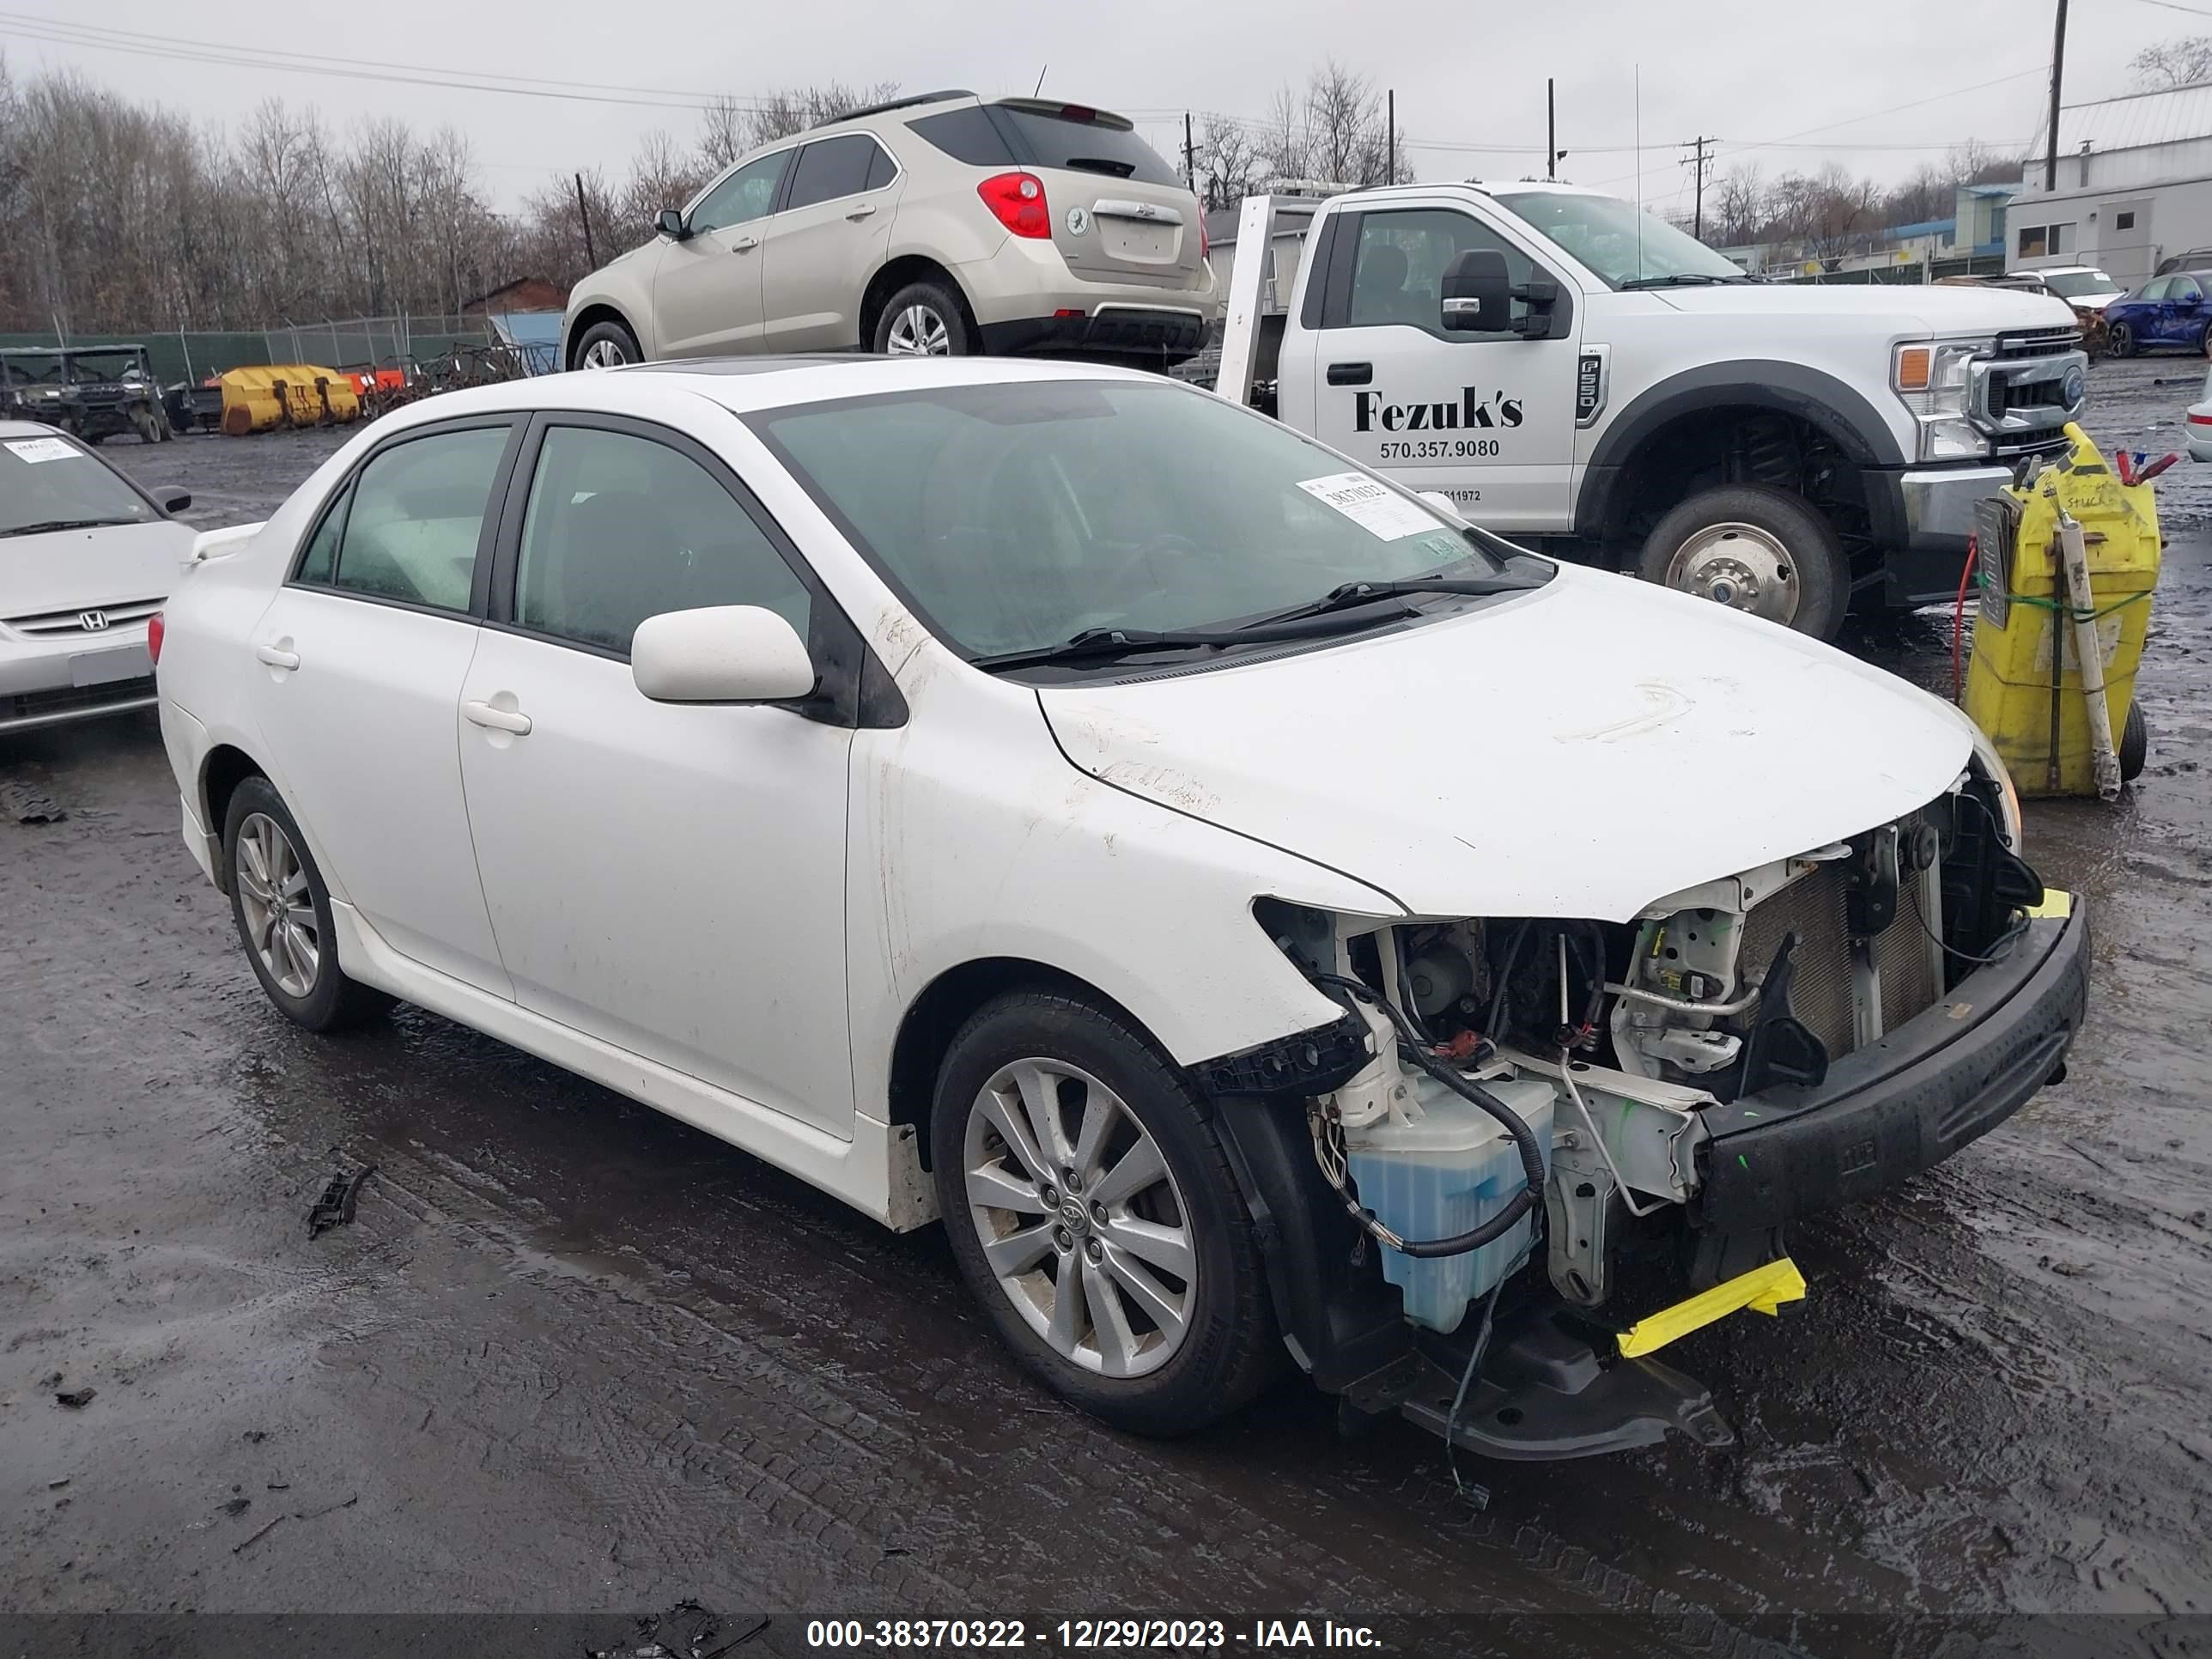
point(2165, 311)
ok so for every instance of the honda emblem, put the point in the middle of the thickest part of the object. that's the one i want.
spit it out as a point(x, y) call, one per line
point(91, 621)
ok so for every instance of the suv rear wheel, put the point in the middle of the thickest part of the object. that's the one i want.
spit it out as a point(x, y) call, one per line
point(1757, 549)
point(924, 319)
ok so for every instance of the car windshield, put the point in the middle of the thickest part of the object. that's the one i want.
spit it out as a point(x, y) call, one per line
point(1015, 516)
point(2067, 284)
point(50, 482)
point(1624, 245)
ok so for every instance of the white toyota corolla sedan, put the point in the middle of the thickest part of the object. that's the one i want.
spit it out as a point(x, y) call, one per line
point(1260, 914)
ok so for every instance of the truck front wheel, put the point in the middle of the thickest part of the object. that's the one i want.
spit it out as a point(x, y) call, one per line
point(1756, 549)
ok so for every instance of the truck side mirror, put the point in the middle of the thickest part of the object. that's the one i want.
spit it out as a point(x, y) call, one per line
point(1478, 293)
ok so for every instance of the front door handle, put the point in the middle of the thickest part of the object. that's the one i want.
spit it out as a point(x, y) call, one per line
point(275, 657)
point(745, 245)
point(1351, 373)
point(499, 720)
point(860, 213)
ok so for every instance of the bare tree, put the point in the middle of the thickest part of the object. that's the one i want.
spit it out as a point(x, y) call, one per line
point(1332, 130)
point(2172, 64)
point(1230, 161)
point(1739, 204)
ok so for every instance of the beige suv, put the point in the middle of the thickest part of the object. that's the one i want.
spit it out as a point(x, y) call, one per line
point(941, 225)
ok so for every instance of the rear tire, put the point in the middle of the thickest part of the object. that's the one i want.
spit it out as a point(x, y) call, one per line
point(1756, 549)
point(607, 345)
point(282, 910)
point(1152, 1224)
point(923, 320)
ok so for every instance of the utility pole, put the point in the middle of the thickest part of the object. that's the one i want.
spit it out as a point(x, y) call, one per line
point(1189, 157)
point(1550, 132)
point(1700, 158)
point(2058, 75)
point(584, 213)
point(1390, 136)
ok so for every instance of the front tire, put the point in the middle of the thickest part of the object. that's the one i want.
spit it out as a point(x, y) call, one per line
point(2135, 743)
point(924, 319)
point(2122, 340)
point(283, 915)
point(607, 345)
point(1093, 1212)
point(1755, 549)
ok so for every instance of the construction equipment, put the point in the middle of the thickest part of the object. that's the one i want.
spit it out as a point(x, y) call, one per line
point(271, 395)
point(2066, 564)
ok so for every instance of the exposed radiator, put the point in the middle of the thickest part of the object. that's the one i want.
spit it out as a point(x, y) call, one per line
point(1816, 907)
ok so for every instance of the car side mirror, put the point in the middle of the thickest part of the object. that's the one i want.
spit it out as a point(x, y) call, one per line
point(173, 500)
point(720, 653)
point(1478, 293)
point(670, 223)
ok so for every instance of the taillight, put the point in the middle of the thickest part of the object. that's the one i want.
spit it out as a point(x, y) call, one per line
point(154, 636)
point(1017, 200)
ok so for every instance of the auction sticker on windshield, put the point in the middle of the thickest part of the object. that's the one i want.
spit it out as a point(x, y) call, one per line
point(1372, 504)
point(44, 449)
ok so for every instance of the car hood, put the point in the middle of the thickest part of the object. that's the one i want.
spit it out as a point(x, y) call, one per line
point(1927, 308)
point(85, 569)
point(1582, 751)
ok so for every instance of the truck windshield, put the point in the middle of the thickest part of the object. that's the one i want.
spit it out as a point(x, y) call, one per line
point(1014, 517)
point(48, 482)
point(1624, 245)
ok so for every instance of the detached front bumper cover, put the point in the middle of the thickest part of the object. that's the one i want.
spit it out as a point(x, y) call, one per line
point(1903, 1104)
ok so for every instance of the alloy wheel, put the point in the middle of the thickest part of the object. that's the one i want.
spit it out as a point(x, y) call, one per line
point(1740, 565)
point(604, 354)
point(280, 911)
point(1080, 1217)
point(919, 332)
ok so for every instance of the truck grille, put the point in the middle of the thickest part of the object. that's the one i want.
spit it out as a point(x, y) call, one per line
point(1816, 908)
point(2046, 343)
point(58, 624)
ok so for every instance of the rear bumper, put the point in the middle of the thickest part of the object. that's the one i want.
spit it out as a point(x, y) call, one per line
point(1906, 1103)
point(1164, 331)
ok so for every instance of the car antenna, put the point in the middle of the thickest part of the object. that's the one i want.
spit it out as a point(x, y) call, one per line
point(1040, 85)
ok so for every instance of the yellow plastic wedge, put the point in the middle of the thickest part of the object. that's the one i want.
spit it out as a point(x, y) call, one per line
point(2056, 902)
point(1763, 1290)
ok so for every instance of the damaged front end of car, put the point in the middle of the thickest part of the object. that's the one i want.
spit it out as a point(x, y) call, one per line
point(1486, 1189)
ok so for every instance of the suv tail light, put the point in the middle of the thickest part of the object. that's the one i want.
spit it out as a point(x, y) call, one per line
point(1017, 201)
point(154, 631)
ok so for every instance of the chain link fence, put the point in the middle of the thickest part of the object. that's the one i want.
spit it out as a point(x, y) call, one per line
point(396, 342)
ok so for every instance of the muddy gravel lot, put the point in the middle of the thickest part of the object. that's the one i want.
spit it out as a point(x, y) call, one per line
point(573, 1356)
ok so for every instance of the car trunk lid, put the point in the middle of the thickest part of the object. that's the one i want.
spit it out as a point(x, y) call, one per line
point(1120, 214)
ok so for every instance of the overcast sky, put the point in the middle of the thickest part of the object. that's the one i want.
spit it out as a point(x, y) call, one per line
point(1787, 84)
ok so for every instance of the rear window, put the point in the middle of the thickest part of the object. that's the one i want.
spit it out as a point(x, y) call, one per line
point(1086, 141)
point(52, 482)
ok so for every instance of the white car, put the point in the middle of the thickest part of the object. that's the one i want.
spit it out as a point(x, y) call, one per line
point(86, 559)
point(2196, 429)
point(2083, 287)
point(1257, 912)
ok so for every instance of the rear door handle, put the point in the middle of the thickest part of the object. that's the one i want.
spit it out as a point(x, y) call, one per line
point(745, 245)
point(277, 657)
point(860, 213)
point(1351, 373)
point(499, 720)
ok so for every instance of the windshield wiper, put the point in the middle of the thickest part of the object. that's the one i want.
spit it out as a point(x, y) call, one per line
point(1683, 279)
point(1324, 617)
point(1349, 594)
point(45, 524)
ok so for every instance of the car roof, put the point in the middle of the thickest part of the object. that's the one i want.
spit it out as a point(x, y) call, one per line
point(742, 385)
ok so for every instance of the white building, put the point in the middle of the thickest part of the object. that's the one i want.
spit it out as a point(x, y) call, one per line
point(2134, 186)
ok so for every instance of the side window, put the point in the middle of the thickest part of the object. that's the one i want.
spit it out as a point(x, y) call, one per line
point(967, 134)
point(1397, 275)
point(834, 167)
point(320, 560)
point(2154, 290)
point(620, 528)
point(881, 168)
point(2185, 288)
point(744, 196)
point(411, 529)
